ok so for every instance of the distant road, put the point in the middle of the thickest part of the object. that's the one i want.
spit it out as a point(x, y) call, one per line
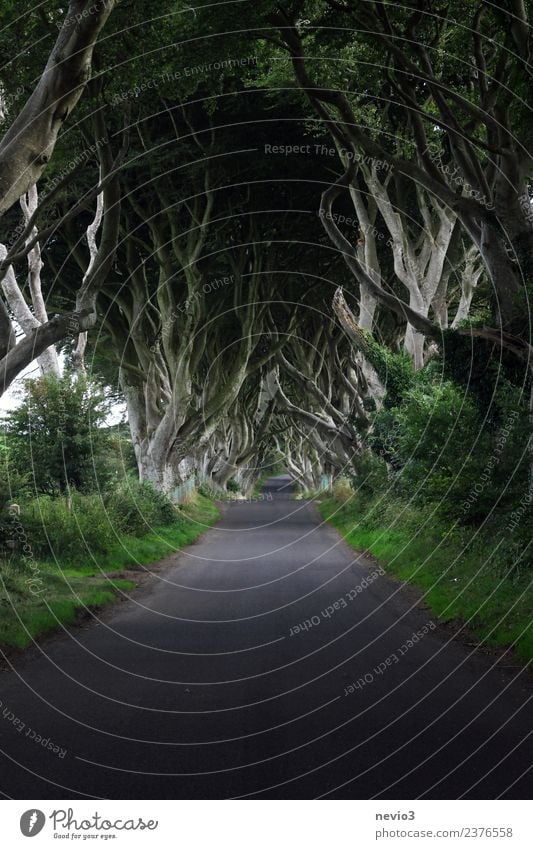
point(267, 661)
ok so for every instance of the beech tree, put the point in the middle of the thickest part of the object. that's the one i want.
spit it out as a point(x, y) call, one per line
point(203, 256)
point(29, 143)
point(467, 148)
point(41, 334)
point(25, 150)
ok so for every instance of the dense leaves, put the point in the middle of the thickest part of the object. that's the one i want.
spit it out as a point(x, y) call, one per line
point(56, 437)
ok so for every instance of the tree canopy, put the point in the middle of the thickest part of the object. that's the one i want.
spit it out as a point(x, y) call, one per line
point(271, 226)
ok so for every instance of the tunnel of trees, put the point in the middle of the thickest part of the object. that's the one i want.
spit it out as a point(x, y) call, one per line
point(290, 235)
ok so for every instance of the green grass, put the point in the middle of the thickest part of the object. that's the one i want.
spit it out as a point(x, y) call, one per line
point(194, 517)
point(25, 616)
point(459, 573)
point(67, 591)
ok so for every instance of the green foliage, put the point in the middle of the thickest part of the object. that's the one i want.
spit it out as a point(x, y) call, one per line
point(137, 508)
point(61, 528)
point(208, 492)
point(120, 454)
point(63, 592)
point(394, 370)
point(433, 442)
point(439, 448)
point(12, 481)
point(470, 363)
point(26, 615)
point(56, 434)
point(13, 486)
point(464, 574)
point(66, 529)
point(371, 474)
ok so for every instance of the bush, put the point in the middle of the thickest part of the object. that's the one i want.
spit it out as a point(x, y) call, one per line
point(57, 435)
point(13, 483)
point(208, 491)
point(342, 489)
point(137, 507)
point(371, 476)
point(12, 490)
point(65, 529)
point(69, 529)
point(441, 450)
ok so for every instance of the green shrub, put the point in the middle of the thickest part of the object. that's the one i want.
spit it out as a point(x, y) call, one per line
point(135, 508)
point(342, 489)
point(57, 434)
point(165, 507)
point(13, 486)
point(372, 474)
point(208, 492)
point(64, 529)
point(440, 450)
point(68, 529)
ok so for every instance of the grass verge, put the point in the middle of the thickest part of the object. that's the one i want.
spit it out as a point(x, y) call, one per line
point(62, 591)
point(457, 569)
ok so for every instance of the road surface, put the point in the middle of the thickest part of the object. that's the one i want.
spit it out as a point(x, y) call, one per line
point(267, 660)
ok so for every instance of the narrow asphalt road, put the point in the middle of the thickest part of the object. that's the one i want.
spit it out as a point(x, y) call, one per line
point(231, 673)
